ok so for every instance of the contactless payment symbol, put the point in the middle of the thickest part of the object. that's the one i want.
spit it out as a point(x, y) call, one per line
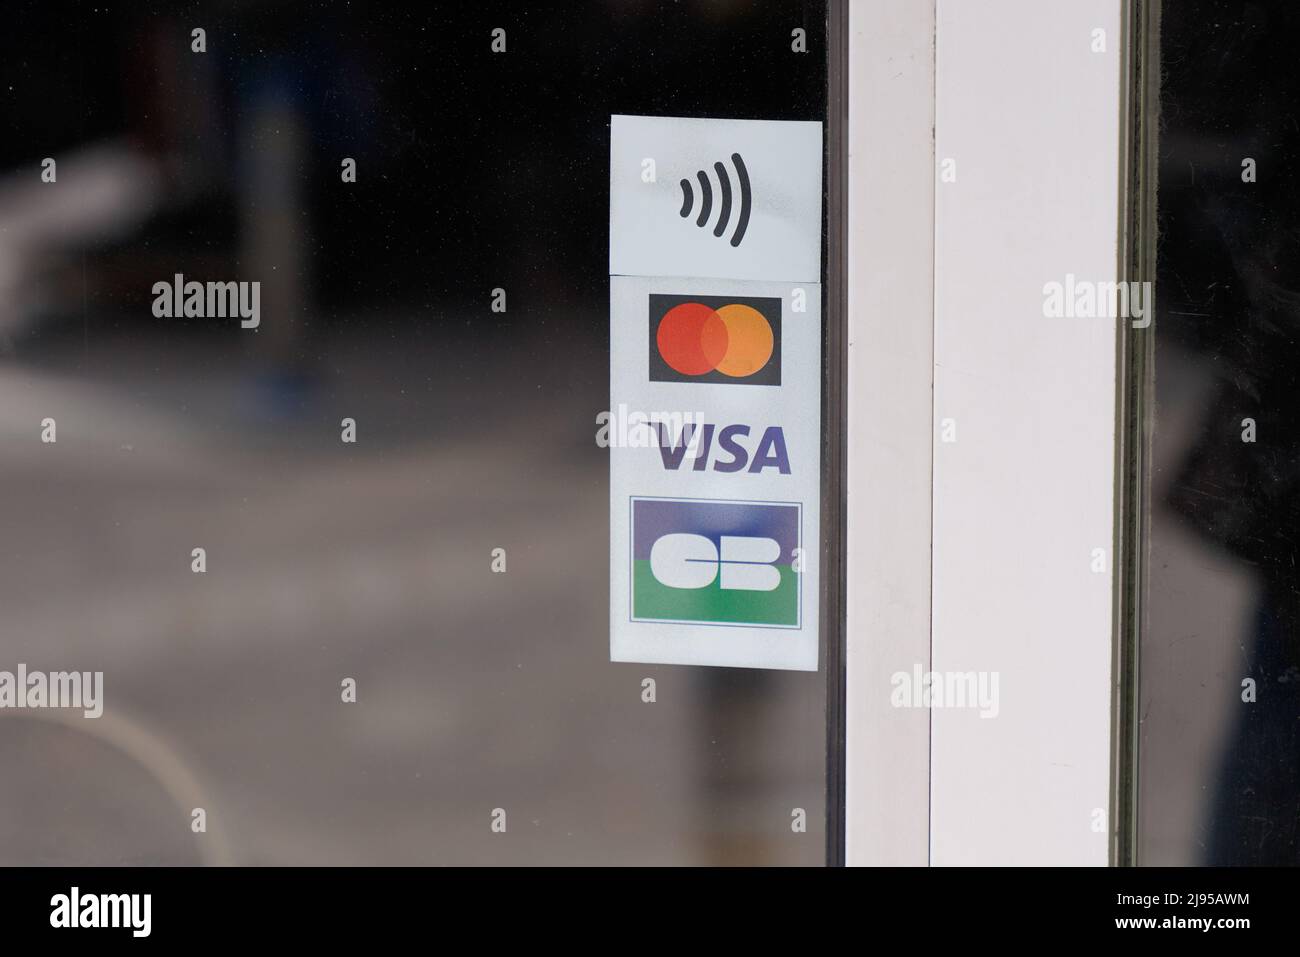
point(715, 339)
point(724, 190)
point(715, 562)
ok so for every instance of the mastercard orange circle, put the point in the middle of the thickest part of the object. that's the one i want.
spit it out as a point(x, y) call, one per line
point(734, 339)
point(749, 340)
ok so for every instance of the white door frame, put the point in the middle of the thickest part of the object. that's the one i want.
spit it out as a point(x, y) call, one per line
point(980, 435)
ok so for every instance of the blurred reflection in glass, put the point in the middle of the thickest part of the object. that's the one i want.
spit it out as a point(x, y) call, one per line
point(1220, 676)
point(369, 561)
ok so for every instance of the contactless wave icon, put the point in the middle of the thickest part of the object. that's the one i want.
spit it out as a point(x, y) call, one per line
point(725, 193)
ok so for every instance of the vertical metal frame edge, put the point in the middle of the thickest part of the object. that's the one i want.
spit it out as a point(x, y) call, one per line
point(1134, 403)
point(835, 309)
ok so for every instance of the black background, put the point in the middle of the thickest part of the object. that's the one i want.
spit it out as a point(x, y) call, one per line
point(1227, 349)
point(660, 371)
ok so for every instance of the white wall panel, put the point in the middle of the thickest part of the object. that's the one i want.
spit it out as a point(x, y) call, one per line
point(1030, 114)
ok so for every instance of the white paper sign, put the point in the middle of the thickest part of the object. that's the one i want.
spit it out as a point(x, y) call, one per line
point(714, 427)
point(727, 199)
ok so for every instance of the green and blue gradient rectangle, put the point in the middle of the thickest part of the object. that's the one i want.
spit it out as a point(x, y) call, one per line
point(653, 518)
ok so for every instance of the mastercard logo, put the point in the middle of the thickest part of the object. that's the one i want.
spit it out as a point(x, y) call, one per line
point(715, 339)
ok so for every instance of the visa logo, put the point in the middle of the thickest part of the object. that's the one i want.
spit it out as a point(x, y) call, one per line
point(731, 442)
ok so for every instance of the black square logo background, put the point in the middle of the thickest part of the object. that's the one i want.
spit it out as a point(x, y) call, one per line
point(770, 307)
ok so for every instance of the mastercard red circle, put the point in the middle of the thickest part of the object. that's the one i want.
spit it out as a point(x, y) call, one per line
point(692, 338)
point(734, 339)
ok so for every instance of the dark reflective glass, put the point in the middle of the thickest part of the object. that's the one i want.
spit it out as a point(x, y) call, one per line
point(1219, 703)
point(475, 430)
